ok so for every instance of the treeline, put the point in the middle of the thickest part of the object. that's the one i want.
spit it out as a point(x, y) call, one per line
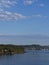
point(17, 49)
point(11, 49)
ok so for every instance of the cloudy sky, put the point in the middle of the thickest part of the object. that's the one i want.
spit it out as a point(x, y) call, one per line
point(24, 17)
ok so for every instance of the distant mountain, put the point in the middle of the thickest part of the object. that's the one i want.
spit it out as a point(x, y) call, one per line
point(24, 39)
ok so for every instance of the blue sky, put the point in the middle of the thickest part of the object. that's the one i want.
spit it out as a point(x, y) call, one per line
point(24, 17)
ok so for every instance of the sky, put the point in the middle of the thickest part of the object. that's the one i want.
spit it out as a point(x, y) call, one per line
point(24, 39)
point(24, 17)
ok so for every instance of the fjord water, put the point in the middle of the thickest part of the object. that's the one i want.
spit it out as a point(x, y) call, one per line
point(29, 58)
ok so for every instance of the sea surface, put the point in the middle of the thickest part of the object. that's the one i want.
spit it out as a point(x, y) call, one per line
point(32, 57)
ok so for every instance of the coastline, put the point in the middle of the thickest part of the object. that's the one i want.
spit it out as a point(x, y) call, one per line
point(19, 49)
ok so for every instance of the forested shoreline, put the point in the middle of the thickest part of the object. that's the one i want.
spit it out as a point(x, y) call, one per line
point(19, 49)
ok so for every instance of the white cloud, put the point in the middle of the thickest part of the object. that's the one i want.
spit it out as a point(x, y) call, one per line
point(6, 15)
point(7, 3)
point(19, 16)
point(39, 16)
point(1, 10)
point(28, 2)
point(42, 5)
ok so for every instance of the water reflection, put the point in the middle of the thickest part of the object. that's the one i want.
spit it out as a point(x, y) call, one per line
point(32, 57)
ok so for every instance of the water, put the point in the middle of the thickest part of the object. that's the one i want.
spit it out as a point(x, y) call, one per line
point(29, 58)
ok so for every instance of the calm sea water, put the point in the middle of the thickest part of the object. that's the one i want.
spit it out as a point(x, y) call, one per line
point(29, 58)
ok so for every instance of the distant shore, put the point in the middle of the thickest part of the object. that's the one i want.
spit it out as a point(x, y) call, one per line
point(11, 49)
point(19, 49)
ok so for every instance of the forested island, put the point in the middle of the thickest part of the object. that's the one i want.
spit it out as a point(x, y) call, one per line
point(19, 49)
